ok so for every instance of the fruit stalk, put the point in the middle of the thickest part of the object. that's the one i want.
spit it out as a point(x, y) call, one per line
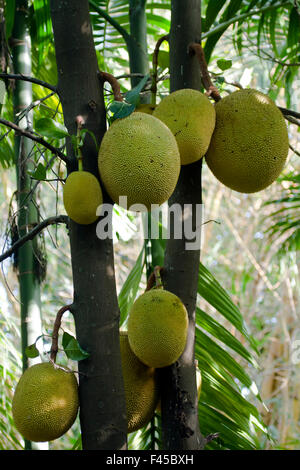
point(56, 327)
point(154, 65)
point(196, 48)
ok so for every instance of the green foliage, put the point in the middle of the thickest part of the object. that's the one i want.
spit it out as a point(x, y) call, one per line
point(270, 30)
point(284, 221)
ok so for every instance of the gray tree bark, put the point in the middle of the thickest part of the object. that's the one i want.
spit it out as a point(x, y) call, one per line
point(180, 427)
point(102, 401)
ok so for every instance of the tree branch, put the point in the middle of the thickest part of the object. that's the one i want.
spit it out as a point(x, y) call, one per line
point(289, 112)
point(155, 64)
point(26, 78)
point(37, 139)
point(56, 327)
point(196, 48)
point(60, 219)
point(115, 86)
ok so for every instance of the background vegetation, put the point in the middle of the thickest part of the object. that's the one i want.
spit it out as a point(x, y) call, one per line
point(247, 318)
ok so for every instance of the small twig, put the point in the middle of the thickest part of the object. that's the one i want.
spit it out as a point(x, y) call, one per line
point(292, 119)
point(155, 64)
point(289, 112)
point(130, 75)
point(56, 327)
point(294, 150)
point(26, 78)
point(211, 437)
point(61, 219)
point(154, 279)
point(211, 89)
point(108, 77)
point(37, 139)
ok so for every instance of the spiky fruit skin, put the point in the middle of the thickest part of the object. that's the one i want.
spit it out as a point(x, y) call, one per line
point(249, 146)
point(139, 158)
point(82, 195)
point(157, 328)
point(45, 403)
point(141, 387)
point(191, 117)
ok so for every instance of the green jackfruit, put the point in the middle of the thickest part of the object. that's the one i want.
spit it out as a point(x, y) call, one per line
point(139, 159)
point(45, 402)
point(157, 328)
point(249, 146)
point(141, 387)
point(82, 195)
point(191, 117)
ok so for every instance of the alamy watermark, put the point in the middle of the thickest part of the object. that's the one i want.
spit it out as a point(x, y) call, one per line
point(175, 222)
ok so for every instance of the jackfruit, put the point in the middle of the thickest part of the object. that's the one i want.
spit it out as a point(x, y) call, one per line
point(139, 159)
point(249, 146)
point(191, 117)
point(145, 108)
point(45, 402)
point(141, 387)
point(157, 328)
point(82, 195)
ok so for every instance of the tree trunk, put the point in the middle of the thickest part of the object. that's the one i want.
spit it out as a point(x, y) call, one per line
point(180, 425)
point(138, 50)
point(30, 305)
point(95, 308)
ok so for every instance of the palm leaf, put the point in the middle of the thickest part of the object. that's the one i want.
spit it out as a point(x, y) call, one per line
point(130, 287)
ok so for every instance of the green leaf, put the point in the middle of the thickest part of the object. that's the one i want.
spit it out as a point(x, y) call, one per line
point(133, 96)
point(32, 351)
point(39, 173)
point(43, 25)
point(212, 11)
point(52, 129)
point(219, 332)
point(224, 64)
point(210, 289)
point(83, 132)
point(121, 109)
point(10, 8)
point(72, 348)
point(130, 288)
point(294, 28)
point(163, 59)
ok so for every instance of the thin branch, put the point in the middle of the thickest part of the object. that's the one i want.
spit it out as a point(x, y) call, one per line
point(154, 65)
point(130, 75)
point(196, 48)
point(26, 78)
point(60, 219)
point(289, 112)
point(108, 77)
point(56, 327)
point(37, 139)
point(294, 150)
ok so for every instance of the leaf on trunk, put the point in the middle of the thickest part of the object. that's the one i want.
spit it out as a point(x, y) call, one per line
point(72, 348)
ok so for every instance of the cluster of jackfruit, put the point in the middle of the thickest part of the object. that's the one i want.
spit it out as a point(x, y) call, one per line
point(45, 403)
point(244, 139)
point(155, 338)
